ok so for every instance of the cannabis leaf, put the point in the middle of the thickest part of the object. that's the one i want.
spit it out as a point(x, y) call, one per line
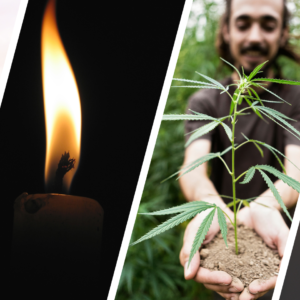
point(275, 112)
point(201, 131)
point(246, 203)
point(174, 221)
point(249, 175)
point(255, 71)
point(222, 223)
point(187, 117)
point(263, 100)
point(215, 82)
point(273, 150)
point(259, 149)
point(286, 179)
point(275, 192)
point(179, 208)
point(273, 116)
point(207, 158)
point(193, 81)
point(227, 130)
point(279, 160)
point(255, 94)
point(198, 87)
point(196, 163)
point(282, 81)
point(201, 233)
point(232, 67)
point(253, 108)
point(258, 85)
point(227, 150)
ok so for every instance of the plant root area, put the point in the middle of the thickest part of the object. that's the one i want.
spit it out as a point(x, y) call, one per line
point(254, 261)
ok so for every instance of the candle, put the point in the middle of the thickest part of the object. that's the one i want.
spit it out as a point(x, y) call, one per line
point(56, 237)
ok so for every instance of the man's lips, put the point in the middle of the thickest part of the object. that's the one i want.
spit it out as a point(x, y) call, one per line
point(253, 53)
point(253, 56)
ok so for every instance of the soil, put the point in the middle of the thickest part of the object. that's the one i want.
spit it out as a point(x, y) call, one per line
point(254, 261)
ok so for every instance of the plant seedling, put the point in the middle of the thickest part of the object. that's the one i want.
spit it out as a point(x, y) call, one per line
point(244, 91)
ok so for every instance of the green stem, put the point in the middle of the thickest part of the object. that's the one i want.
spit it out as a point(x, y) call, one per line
point(239, 206)
point(228, 218)
point(222, 196)
point(231, 203)
point(242, 144)
point(225, 165)
point(250, 107)
point(229, 96)
point(233, 175)
point(241, 176)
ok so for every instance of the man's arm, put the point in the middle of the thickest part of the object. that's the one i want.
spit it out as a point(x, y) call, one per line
point(288, 194)
point(196, 186)
point(268, 222)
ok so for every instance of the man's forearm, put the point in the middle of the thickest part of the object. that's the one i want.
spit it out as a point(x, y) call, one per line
point(198, 187)
point(288, 194)
point(195, 185)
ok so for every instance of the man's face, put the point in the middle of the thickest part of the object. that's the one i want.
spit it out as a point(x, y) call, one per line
point(255, 31)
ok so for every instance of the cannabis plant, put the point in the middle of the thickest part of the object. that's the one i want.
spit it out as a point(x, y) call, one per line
point(245, 90)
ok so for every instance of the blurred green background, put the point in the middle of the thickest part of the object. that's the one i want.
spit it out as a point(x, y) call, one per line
point(152, 269)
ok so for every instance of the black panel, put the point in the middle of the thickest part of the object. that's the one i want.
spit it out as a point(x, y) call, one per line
point(290, 289)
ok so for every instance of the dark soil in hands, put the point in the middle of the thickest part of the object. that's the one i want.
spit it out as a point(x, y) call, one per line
point(254, 261)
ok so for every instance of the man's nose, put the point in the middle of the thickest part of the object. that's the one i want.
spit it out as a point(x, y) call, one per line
point(255, 34)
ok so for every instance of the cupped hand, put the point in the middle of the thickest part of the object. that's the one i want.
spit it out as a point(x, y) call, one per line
point(218, 281)
point(258, 288)
point(270, 225)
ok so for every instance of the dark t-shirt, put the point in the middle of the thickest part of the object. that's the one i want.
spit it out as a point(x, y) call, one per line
point(212, 103)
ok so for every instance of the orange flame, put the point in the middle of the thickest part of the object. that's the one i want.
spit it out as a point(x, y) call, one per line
point(61, 101)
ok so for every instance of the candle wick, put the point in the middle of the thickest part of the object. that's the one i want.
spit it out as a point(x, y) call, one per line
point(65, 165)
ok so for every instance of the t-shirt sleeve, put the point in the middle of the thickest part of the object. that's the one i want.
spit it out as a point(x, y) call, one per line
point(201, 102)
point(291, 139)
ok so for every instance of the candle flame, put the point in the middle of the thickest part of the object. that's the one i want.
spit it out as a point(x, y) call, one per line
point(61, 102)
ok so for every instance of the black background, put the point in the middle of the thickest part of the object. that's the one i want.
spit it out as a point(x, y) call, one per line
point(290, 289)
point(119, 52)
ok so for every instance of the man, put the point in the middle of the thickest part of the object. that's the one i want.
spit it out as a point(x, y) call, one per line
point(252, 32)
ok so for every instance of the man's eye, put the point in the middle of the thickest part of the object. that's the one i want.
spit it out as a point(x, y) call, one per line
point(268, 26)
point(242, 26)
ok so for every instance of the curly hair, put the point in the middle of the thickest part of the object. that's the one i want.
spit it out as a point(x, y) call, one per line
point(222, 46)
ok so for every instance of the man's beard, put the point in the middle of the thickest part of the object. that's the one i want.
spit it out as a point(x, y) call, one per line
point(264, 51)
